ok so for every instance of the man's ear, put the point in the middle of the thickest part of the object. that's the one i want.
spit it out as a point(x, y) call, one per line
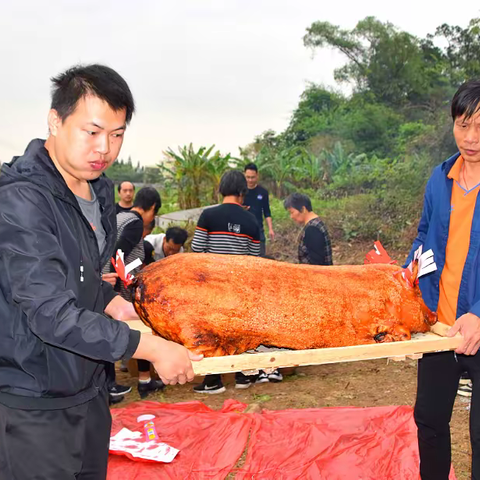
point(54, 122)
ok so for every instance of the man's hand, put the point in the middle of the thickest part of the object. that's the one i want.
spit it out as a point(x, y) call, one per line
point(469, 327)
point(172, 361)
point(111, 278)
point(120, 309)
point(271, 233)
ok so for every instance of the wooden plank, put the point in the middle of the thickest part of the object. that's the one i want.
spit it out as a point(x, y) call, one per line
point(247, 362)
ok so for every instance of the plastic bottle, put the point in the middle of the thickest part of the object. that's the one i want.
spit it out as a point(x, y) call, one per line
point(148, 427)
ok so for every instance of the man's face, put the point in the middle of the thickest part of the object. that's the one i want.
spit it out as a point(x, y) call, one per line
point(89, 140)
point(296, 216)
point(126, 192)
point(252, 178)
point(148, 216)
point(467, 137)
point(170, 248)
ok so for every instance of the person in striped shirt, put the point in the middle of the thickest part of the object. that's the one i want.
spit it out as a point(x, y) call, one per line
point(227, 229)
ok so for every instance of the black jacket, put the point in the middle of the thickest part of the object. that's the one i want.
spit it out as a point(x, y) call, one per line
point(54, 337)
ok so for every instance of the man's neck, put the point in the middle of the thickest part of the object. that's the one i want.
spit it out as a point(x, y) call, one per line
point(310, 216)
point(139, 210)
point(125, 205)
point(80, 188)
point(232, 199)
point(255, 186)
point(470, 174)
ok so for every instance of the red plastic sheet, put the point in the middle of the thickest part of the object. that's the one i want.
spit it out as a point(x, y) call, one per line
point(348, 443)
point(210, 442)
point(377, 443)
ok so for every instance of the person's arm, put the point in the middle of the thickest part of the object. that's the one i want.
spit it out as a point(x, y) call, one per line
point(172, 361)
point(254, 243)
point(270, 228)
point(130, 237)
point(200, 237)
point(424, 223)
point(314, 241)
point(109, 279)
point(34, 271)
point(268, 216)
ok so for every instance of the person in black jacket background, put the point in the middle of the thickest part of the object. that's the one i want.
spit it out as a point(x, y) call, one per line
point(57, 230)
point(314, 245)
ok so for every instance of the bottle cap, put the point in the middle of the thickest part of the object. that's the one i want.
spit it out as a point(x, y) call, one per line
point(145, 418)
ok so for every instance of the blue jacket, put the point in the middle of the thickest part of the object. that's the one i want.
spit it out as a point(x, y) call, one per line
point(433, 233)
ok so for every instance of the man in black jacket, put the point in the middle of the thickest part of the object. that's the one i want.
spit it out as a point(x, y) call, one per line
point(57, 229)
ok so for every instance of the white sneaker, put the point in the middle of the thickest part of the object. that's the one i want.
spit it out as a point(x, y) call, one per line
point(465, 390)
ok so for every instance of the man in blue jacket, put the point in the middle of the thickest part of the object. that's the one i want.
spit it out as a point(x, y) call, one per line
point(450, 226)
point(57, 230)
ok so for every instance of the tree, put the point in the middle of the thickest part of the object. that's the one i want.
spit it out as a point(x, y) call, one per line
point(196, 174)
point(462, 51)
point(388, 63)
point(316, 113)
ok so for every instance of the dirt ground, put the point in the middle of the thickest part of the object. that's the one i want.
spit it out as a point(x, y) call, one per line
point(359, 384)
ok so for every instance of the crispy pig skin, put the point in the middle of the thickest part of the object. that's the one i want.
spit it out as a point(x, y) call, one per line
point(226, 304)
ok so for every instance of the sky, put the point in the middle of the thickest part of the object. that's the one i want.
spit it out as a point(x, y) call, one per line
point(201, 71)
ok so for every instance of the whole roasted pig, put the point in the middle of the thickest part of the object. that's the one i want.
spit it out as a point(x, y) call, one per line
point(227, 304)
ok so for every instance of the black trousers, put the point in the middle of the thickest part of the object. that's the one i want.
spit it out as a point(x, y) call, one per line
point(56, 444)
point(438, 377)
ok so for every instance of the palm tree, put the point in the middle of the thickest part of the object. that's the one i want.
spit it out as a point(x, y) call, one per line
point(216, 166)
point(187, 169)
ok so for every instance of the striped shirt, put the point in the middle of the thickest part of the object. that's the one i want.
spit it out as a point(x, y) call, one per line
point(227, 229)
point(124, 221)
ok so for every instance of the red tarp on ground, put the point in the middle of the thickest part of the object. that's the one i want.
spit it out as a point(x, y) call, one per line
point(210, 442)
point(344, 443)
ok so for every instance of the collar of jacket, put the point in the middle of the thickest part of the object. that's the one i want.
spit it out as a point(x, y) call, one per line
point(35, 166)
point(448, 164)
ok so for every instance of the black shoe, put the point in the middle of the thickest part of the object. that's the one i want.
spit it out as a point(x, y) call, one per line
point(275, 376)
point(152, 386)
point(114, 400)
point(244, 381)
point(211, 389)
point(119, 390)
point(262, 378)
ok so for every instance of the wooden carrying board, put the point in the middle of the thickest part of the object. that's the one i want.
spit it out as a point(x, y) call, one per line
point(433, 341)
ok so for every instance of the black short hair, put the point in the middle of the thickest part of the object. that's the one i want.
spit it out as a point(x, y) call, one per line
point(97, 80)
point(177, 234)
point(250, 166)
point(298, 201)
point(146, 197)
point(121, 183)
point(233, 183)
point(467, 100)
